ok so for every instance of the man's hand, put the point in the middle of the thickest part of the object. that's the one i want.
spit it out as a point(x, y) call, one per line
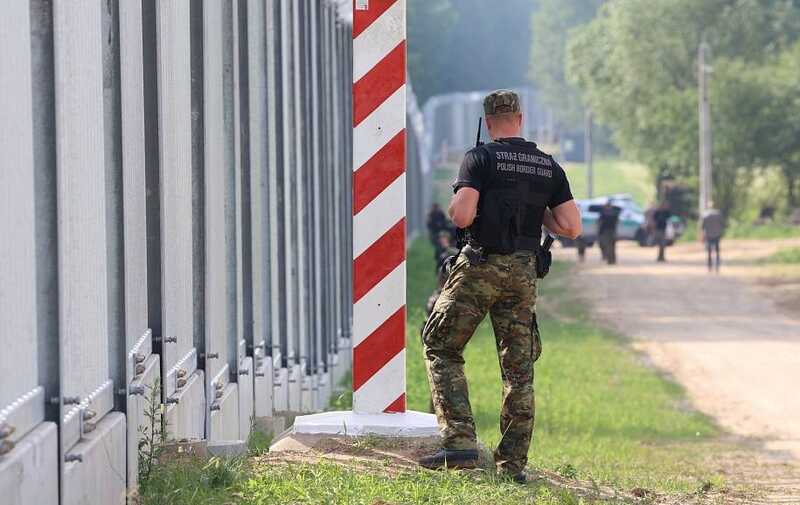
point(564, 220)
point(464, 207)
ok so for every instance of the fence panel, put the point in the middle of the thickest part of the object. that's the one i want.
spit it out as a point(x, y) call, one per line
point(85, 325)
point(260, 222)
point(28, 446)
point(182, 383)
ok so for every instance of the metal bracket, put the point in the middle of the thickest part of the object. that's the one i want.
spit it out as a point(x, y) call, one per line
point(22, 415)
point(76, 421)
point(136, 390)
point(6, 446)
point(6, 430)
point(73, 458)
point(183, 368)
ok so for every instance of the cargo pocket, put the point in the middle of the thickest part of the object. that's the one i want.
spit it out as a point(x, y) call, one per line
point(436, 323)
point(536, 341)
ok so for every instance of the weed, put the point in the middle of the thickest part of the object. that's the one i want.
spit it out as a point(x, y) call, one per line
point(153, 434)
point(567, 470)
point(258, 443)
point(220, 473)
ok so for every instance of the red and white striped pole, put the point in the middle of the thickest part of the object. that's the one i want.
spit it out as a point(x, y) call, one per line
point(379, 234)
point(379, 206)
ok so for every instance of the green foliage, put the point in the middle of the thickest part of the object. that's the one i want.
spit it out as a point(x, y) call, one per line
point(761, 232)
point(552, 21)
point(467, 45)
point(337, 485)
point(153, 434)
point(342, 397)
point(791, 256)
point(613, 176)
point(222, 473)
point(636, 67)
point(430, 23)
point(258, 443)
point(194, 482)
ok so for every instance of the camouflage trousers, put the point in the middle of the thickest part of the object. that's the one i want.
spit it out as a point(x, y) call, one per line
point(505, 287)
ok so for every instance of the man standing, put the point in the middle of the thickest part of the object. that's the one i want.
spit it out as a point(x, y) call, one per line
point(713, 227)
point(505, 191)
point(660, 219)
point(607, 231)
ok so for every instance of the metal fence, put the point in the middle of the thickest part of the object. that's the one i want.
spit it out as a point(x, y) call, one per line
point(175, 212)
point(419, 176)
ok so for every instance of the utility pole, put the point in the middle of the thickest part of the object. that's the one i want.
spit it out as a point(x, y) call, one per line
point(704, 75)
point(587, 153)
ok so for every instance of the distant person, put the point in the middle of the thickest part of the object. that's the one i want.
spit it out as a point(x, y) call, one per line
point(444, 241)
point(580, 245)
point(437, 221)
point(607, 231)
point(660, 220)
point(713, 228)
point(446, 251)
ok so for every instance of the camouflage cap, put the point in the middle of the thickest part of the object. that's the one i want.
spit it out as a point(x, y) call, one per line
point(502, 101)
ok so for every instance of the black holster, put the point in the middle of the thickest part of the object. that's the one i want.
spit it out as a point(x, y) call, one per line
point(475, 255)
point(544, 258)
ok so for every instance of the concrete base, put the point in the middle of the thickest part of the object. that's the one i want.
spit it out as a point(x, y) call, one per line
point(29, 473)
point(228, 448)
point(269, 426)
point(347, 423)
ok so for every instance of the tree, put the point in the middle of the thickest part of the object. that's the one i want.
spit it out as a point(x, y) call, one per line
point(636, 67)
point(552, 21)
point(467, 45)
point(430, 23)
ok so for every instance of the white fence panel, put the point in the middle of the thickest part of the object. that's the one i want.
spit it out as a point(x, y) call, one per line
point(178, 353)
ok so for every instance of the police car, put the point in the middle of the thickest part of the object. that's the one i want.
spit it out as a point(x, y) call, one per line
point(632, 223)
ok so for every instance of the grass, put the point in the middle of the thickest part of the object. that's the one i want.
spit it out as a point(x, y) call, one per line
point(602, 416)
point(193, 481)
point(327, 483)
point(762, 232)
point(786, 256)
point(740, 230)
point(613, 176)
point(249, 482)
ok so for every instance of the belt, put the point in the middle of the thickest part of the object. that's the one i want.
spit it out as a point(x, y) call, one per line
point(528, 244)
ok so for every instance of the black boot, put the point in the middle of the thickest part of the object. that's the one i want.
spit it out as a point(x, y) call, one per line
point(517, 478)
point(450, 458)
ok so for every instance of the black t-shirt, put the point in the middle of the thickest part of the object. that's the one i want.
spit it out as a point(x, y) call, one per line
point(608, 219)
point(476, 166)
point(661, 217)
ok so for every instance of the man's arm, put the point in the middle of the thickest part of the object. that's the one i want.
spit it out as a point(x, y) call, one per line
point(564, 220)
point(464, 206)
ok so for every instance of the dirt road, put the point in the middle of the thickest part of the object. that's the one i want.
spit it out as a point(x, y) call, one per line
point(734, 349)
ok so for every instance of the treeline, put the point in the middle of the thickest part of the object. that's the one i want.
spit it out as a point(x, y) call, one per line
point(635, 66)
point(468, 45)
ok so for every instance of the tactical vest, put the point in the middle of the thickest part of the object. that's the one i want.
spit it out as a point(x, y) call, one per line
point(513, 197)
